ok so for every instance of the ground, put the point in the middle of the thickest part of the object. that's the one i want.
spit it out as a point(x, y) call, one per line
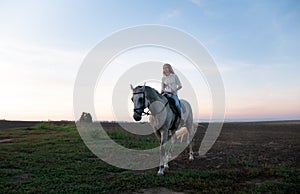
point(50, 157)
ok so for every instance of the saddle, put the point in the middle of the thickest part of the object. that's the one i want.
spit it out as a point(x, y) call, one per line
point(173, 108)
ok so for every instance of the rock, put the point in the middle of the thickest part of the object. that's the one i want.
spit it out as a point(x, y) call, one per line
point(86, 118)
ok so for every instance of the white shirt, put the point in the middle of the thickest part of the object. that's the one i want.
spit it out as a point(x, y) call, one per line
point(170, 83)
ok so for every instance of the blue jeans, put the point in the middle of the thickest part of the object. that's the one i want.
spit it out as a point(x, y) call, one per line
point(175, 97)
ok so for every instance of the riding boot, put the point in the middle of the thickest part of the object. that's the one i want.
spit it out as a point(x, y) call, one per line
point(180, 116)
point(181, 120)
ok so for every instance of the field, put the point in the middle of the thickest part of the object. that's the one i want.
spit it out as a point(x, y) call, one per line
point(50, 157)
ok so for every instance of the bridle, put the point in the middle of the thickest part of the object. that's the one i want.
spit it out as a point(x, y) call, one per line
point(144, 105)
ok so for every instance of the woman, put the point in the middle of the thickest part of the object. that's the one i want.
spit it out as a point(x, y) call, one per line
point(171, 84)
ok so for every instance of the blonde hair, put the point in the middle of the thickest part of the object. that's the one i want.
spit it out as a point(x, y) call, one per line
point(169, 67)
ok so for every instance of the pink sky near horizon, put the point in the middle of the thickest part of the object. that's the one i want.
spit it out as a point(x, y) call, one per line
point(235, 115)
point(37, 92)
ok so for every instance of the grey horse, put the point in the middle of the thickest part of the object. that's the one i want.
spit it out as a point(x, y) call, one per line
point(163, 120)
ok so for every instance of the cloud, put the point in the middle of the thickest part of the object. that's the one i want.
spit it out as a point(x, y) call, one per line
point(170, 15)
point(37, 80)
point(197, 2)
point(173, 14)
point(32, 61)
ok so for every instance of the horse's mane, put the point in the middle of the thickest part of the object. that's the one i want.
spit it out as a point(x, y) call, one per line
point(148, 88)
point(154, 90)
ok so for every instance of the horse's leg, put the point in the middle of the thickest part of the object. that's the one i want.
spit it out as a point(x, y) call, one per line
point(189, 141)
point(163, 141)
point(171, 149)
point(191, 153)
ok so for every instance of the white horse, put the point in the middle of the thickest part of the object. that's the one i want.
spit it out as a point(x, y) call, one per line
point(163, 120)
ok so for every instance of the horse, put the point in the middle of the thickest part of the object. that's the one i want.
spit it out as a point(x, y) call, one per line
point(163, 120)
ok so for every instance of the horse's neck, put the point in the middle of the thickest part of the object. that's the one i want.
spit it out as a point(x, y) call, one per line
point(155, 106)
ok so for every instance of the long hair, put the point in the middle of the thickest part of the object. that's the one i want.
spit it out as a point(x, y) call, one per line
point(169, 67)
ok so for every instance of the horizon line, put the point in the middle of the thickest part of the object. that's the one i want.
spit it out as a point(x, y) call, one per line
point(195, 120)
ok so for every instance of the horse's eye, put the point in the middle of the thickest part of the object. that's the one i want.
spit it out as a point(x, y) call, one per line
point(140, 100)
point(132, 99)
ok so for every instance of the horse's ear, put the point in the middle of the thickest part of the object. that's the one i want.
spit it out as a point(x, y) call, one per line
point(131, 86)
point(144, 85)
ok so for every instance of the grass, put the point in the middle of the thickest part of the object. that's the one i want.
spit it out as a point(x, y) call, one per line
point(53, 159)
point(236, 162)
point(133, 141)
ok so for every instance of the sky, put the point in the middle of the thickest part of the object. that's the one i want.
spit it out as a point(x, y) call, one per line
point(255, 44)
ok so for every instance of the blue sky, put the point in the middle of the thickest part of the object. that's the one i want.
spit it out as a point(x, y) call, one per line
point(254, 43)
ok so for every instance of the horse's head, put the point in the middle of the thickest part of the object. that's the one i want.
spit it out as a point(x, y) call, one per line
point(139, 100)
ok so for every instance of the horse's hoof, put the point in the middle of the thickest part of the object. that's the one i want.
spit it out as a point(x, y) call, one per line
point(160, 173)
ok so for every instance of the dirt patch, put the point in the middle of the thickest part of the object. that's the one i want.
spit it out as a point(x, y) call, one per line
point(242, 145)
point(22, 177)
point(5, 140)
point(155, 191)
point(261, 181)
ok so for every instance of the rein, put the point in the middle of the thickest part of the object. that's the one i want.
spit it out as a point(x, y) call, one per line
point(163, 107)
point(144, 106)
